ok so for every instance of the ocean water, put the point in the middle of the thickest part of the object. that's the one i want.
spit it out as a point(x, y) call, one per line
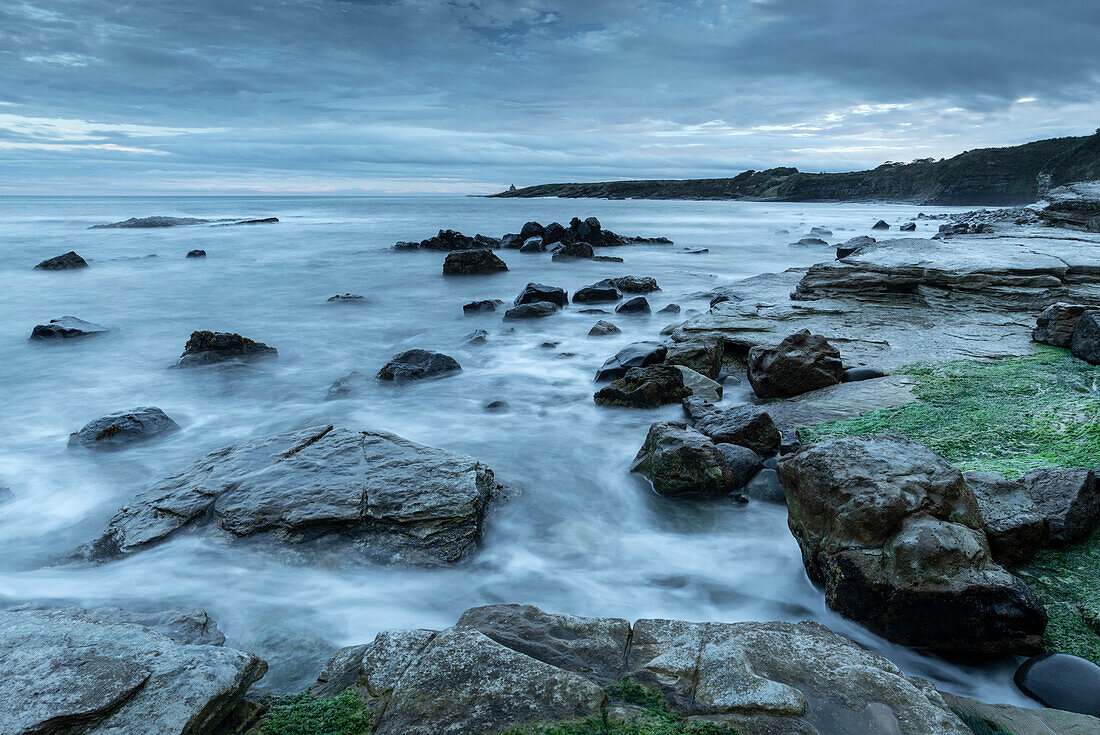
point(583, 537)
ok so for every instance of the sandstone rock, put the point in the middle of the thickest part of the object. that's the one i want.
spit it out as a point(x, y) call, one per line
point(636, 305)
point(747, 426)
point(644, 387)
point(67, 327)
point(537, 310)
point(1069, 498)
point(1086, 338)
point(596, 294)
point(700, 385)
point(417, 364)
point(535, 292)
point(481, 307)
point(472, 262)
point(206, 347)
point(1056, 324)
point(679, 461)
point(802, 362)
point(1013, 524)
point(68, 261)
point(603, 329)
point(701, 355)
point(125, 427)
point(636, 354)
point(1062, 681)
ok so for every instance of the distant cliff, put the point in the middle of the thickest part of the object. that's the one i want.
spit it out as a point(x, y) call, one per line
point(987, 177)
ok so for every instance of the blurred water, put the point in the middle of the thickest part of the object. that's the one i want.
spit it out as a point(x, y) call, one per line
point(585, 536)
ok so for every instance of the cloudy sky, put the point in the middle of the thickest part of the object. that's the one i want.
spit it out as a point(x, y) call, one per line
point(393, 96)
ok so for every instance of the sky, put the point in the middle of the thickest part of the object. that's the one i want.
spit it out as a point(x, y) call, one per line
point(470, 96)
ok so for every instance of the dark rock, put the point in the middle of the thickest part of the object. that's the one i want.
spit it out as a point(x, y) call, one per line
point(476, 337)
point(880, 225)
point(535, 292)
point(549, 345)
point(1069, 498)
point(531, 229)
point(449, 240)
point(720, 299)
point(644, 387)
point(747, 426)
point(532, 245)
point(908, 227)
point(497, 406)
point(573, 251)
point(1062, 681)
point(1086, 338)
point(636, 354)
point(472, 262)
point(679, 461)
point(68, 261)
point(608, 258)
point(346, 385)
point(789, 442)
point(630, 284)
point(636, 305)
point(488, 242)
point(1014, 525)
point(669, 309)
point(592, 311)
point(856, 374)
point(703, 355)
point(154, 221)
point(206, 347)
point(125, 427)
point(765, 486)
point(821, 232)
point(67, 327)
point(602, 329)
point(742, 462)
point(554, 233)
point(346, 298)
point(894, 535)
point(1056, 324)
point(196, 253)
point(596, 294)
point(809, 242)
point(481, 307)
point(511, 241)
point(537, 310)
point(1020, 720)
point(695, 251)
point(853, 246)
point(417, 364)
point(802, 362)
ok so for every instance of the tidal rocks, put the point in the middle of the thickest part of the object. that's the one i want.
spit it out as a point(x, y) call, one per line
point(702, 355)
point(68, 261)
point(679, 460)
point(636, 305)
point(856, 374)
point(67, 327)
point(1021, 720)
point(596, 294)
point(802, 362)
point(603, 329)
point(323, 490)
point(765, 486)
point(880, 225)
point(1056, 324)
point(485, 306)
point(346, 298)
point(449, 240)
point(635, 354)
point(852, 246)
point(699, 384)
point(809, 242)
point(154, 221)
point(345, 385)
point(1086, 338)
point(821, 232)
point(417, 364)
point(476, 337)
point(669, 309)
point(472, 262)
point(573, 251)
point(70, 670)
point(1014, 525)
point(535, 292)
point(1069, 498)
point(908, 227)
point(122, 428)
point(197, 254)
point(536, 310)
point(206, 347)
point(894, 535)
point(644, 387)
point(533, 245)
point(531, 229)
point(1062, 681)
point(742, 462)
point(630, 284)
point(747, 426)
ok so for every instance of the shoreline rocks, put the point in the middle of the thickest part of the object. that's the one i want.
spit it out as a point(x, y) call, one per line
point(472, 262)
point(417, 364)
point(678, 460)
point(67, 327)
point(800, 363)
point(644, 387)
point(117, 430)
point(67, 261)
point(205, 348)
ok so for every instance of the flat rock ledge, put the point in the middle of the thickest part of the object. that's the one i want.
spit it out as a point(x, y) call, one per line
point(343, 494)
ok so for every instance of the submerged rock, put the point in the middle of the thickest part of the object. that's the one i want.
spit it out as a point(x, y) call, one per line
point(472, 262)
point(636, 305)
point(324, 490)
point(346, 298)
point(800, 363)
point(644, 387)
point(596, 294)
point(747, 426)
point(679, 460)
point(205, 347)
point(345, 385)
point(417, 364)
point(603, 329)
point(537, 310)
point(481, 307)
point(1056, 324)
point(809, 242)
point(68, 261)
point(533, 293)
point(155, 221)
point(635, 354)
point(196, 254)
point(67, 327)
point(125, 427)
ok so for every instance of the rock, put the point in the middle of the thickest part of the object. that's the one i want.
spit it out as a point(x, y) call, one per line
point(701, 355)
point(472, 262)
point(894, 535)
point(555, 233)
point(856, 374)
point(496, 406)
point(68, 261)
point(154, 221)
point(596, 294)
point(6, 495)
point(417, 364)
point(346, 298)
point(630, 284)
point(450, 240)
point(1056, 324)
point(636, 305)
point(476, 337)
point(644, 387)
point(574, 250)
point(679, 460)
point(1062, 681)
point(1086, 338)
point(125, 427)
point(635, 354)
point(532, 245)
point(592, 311)
point(699, 384)
point(669, 309)
point(747, 426)
point(880, 225)
point(821, 232)
point(908, 227)
point(323, 490)
point(481, 307)
point(694, 251)
point(188, 626)
point(602, 329)
point(487, 242)
point(511, 241)
point(74, 671)
point(1023, 720)
point(765, 486)
point(67, 327)
point(535, 292)
point(608, 258)
point(1069, 498)
point(205, 347)
point(346, 385)
point(802, 362)
point(743, 463)
point(1013, 524)
point(809, 242)
point(196, 254)
point(853, 246)
point(537, 310)
point(531, 229)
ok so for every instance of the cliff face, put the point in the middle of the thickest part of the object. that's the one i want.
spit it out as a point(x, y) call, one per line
point(987, 176)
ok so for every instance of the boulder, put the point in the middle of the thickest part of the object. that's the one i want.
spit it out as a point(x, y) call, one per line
point(894, 535)
point(449, 240)
point(555, 233)
point(636, 354)
point(573, 251)
point(481, 307)
point(630, 284)
point(636, 305)
point(532, 245)
point(1086, 338)
point(417, 364)
point(1069, 498)
point(346, 298)
point(535, 292)
point(196, 254)
point(1022, 720)
point(496, 406)
point(669, 309)
point(67, 327)
point(742, 462)
point(821, 232)
point(679, 460)
point(747, 426)
point(700, 385)
point(856, 374)
point(1062, 681)
point(765, 486)
point(476, 337)
point(1013, 524)
point(511, 241)
point(802, 362)
point(531, 229)
point(908, 227)
point(701, 355)
point(596, 294)
point(644, 387)
point(809, 242)
point(880, 225)
point(603, 329)
point(350, 495)
point(68, 261)
point(346, 385)
point(74, 671)
point(472, 262)
point(1056, 324)
point(206, 347)
point(119, 429)
point(537, 310)
point(853, 245)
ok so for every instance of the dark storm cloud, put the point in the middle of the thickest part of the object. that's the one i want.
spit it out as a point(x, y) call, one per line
point(407, 94)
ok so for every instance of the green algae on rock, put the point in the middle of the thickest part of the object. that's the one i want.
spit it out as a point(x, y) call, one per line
point(344, 714)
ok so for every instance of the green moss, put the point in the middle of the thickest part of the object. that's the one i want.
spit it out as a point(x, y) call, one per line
point(344, 714)
point(980, 725)
point(1009, 415)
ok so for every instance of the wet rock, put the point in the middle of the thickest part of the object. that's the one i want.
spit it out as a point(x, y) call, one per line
point(908, 227)
point(1023, 720)
point(809, 242)
point(695, 251)
point(636, 305)
point(856, 374)
point(894, 535)
point(531, 229)
point(188, 626)
point(326, 491)
point(554, 233)
point(1014, 525)
point(346, 298)
point(679, 460)
point(573, 251)
point(630, 284)
point(595, 294)
point(669, 309)
point(742, 462)
point(196, 254)
point(476, 337)
point(496, 406)
point(481, 307)
point(701, 355)
point(1086, 338)
point(346, 385)
point(635, 354)
point(119, 429)
point(602, 329)
point(1069, 498)
point(486, 241)
point(748, 426)
point(537, 310)
point(154, 221)
point(608, 258)
point(802, 362)
point(1062, 681)
point(644, 387)
point(450, 240)
point(67, 327)
point(880, 225)
point(74, 671)
point(206, 347)
point(699, 384)
point(535, 292)
point(472, 262)
point(765, 486)
point(68, 261)
point(592, 311)
point(417, 364)
point(511, 241)
point(1056, 324)
point(533, 245)
point(821, 232)
point(852, 246)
